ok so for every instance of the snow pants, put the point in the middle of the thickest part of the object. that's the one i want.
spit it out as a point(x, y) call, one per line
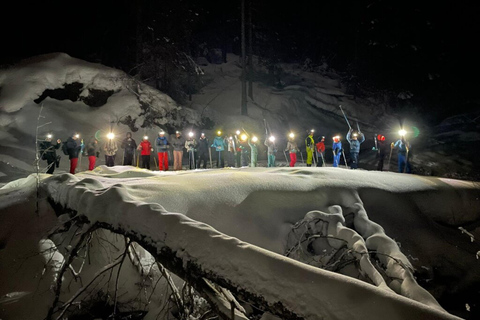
point(354, 156)
point(202, 158)
point(192, 164)
point(231, 159)
point(128, 159)
point(110, 161)
point(162, 161)
point(91, 162)
point(309, 157)
point(403, 164)
point(50, 165)
point(253, 163)
point(336, 159)
point(238, 159)
point(271, 160)
point(146, 161)
point(293, 159)
point(220, 159)
point(320, 159)
point(177, 160)
point(73, 165)
point(245, 158)
point(381, 159)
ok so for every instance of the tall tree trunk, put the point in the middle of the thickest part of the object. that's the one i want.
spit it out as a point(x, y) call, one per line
point(138, 35)
point(244, 73)
point(250, 51)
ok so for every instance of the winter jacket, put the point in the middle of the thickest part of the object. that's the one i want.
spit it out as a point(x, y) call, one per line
point(145, 147)
point(270, 146)
point(382, 147)
point(230, 144)
point(93, 149)
point(161, 143)
point(129, 145)
point(110, 147)
point(320, 146)
point(72, 148)
point(218, 144)
point(337, 147)
point(291, 147)
point(402, 146)
point(190, 144)
point(253, 147)
point(355, 144)
point(203, 146)
point(177, 143)
point(47, 151)
point(309, 142)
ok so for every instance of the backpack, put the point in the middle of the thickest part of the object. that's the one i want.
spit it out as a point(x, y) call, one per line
point(64, 149)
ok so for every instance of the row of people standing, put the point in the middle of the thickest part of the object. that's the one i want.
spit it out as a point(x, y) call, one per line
point(240, 150)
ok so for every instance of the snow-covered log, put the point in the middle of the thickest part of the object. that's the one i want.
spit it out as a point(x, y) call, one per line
point(194, 250)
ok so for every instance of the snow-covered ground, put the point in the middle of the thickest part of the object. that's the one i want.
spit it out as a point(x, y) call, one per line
point(237, 224)
point(92, 99)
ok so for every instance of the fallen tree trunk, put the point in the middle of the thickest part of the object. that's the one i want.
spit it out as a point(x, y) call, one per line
point(194, 250)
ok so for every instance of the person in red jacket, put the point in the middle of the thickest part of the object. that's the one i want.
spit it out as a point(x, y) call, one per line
point(145, 147)
point(320, 148)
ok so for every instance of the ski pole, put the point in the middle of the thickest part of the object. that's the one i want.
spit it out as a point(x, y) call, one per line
point(155, 160)
point(345, 116)
point(138, 159)
point(344, 159)
point(285, 153)
point(358, 127)
point(389, 159)
point(313, 157)
point(301, 155)
point(323, 159)
point(406, 160)
point(123, 159)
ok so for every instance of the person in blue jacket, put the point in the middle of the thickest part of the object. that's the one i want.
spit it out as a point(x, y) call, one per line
point(337, 150)
point(162, 150)
point(403, 148)
point(355, 139)
point(219, 145)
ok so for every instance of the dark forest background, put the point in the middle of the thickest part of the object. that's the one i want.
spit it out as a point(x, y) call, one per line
point(389, 49)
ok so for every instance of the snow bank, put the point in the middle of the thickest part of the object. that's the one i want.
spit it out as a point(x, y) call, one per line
point(260, 206)
point(78, 96)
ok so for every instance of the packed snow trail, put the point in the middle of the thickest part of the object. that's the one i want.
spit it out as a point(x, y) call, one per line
point(140, 204)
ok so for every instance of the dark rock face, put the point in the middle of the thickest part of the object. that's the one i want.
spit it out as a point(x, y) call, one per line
point(72, 91)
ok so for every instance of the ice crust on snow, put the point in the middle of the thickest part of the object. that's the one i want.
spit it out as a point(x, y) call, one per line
point(226, 200)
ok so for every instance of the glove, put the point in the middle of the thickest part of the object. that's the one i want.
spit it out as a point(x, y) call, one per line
point(392, 145)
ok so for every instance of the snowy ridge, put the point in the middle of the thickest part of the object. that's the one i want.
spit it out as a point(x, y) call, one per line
point(311, 292)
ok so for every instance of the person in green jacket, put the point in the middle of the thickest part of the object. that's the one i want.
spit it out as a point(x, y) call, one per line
point(254, 150)
point(310, 145)
point(270, 144)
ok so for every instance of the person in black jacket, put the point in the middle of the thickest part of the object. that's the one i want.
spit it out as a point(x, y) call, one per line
point(203, 146)
point(73, 149)
point(383, 149)
point(130, 146)
point(47, 152)
point(93, 152)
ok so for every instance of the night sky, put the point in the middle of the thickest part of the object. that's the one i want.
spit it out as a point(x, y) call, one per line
point(427, 49)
